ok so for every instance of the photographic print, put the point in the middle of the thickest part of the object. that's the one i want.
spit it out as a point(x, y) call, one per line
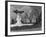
point(25, 18)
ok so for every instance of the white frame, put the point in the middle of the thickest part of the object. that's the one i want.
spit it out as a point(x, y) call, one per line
point(29, 32)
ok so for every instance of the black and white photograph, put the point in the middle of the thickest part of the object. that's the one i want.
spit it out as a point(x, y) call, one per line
point(25, 18)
